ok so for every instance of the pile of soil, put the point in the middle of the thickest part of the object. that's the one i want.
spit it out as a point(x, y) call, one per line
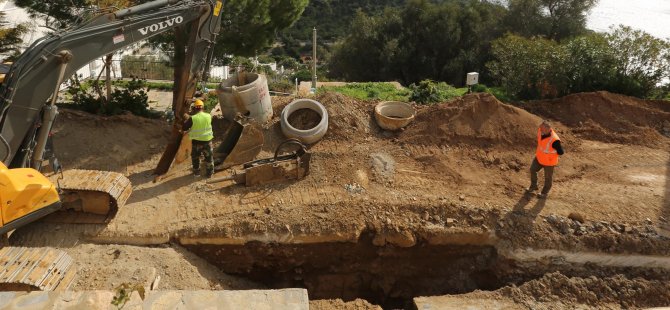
point(607, 117)
point(476, 119)
point(347, 117)
point(592, 291)
point(88, 141)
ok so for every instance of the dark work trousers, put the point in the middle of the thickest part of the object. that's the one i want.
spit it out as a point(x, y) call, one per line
point(548, 176)
point(202, 148)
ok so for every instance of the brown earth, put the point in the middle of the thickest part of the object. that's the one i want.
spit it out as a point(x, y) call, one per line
point(608, 117)
point(557, 291)
point(87, 141)
point(454, 176)
point(478, 120)
point(304, 119)
point(338, 304)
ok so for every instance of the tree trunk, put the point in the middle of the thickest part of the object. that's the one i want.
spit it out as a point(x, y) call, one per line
point(108, 74)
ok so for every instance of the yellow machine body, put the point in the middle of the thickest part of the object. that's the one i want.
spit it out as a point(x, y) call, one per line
point(25, 196)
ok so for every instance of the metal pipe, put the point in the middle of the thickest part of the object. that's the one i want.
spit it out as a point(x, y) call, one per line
point(314, 59)
point(49, 113)
point(144, 7)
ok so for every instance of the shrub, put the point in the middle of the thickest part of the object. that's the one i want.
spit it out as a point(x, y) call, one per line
point(427, 92)
point(132, 98)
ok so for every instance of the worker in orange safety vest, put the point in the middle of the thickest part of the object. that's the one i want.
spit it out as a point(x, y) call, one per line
point(546, 157)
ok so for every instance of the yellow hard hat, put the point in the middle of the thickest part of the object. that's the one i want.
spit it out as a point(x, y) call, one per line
point(199, 103)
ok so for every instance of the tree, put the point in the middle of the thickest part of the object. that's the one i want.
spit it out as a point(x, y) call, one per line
point(553, 19)
point(643, 61)
point(624, 61)
point(423, 40)
point(527, 68)
point(10, 37)
point(250, 26)
point(590, 63)
point(55, 14)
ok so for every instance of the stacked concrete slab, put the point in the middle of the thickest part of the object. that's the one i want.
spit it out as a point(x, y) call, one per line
point(293, 299)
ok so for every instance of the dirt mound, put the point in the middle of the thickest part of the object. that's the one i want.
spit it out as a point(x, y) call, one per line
point(477, 119)
point(347, 117)
point(592, 291)
point(608, 117)
point(88, 141)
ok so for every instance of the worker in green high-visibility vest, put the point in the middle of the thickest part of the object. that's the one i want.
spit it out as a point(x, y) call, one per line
point(199, 128)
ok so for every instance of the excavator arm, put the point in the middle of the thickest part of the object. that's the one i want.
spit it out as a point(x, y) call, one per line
point(30, 88)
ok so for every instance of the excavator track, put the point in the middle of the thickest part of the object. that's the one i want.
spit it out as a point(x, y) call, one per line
point(35, 269)
point(91, 196)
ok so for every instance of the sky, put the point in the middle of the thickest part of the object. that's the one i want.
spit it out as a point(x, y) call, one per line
point(652, 16)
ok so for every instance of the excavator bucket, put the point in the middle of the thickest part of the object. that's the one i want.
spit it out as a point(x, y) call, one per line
point(184, 151)
point(242, 142)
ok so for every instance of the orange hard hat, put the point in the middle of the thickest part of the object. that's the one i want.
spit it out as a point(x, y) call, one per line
point(199, 104)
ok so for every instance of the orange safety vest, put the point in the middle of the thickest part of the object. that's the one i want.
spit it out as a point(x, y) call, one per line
point(546, 154)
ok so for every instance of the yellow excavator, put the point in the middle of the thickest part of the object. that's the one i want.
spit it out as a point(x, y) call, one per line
point(28, 93)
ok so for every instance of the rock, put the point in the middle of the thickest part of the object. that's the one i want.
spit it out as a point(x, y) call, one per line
point(461, 197)
point(425, 216)
point(648, 221)
point(576, 217)
point(627, 229)
point(477, 219)
point(552, 219)
point(485, 228)
point(388, 221)
point(501, 224)
point(450, 221)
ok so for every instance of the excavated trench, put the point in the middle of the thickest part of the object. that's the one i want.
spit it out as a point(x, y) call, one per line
point(388, 276)
point(392, 276)
point(623, 267)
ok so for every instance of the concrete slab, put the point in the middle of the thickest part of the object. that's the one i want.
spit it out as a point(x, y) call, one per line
point(287, 299)
point(465, 303)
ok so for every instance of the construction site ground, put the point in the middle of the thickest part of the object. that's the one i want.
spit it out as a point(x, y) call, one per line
point(437, 209)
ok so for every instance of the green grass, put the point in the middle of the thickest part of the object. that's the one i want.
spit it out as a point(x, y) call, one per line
point(386, 91)
point(500, 93)
point(370, 91)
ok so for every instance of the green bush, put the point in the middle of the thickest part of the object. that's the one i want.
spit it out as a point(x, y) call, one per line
point(428, 92)
point(625, 61)
point(132, 98)
point(282, 86)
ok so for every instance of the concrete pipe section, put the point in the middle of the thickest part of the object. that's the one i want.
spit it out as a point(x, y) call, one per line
point(305, 120)
point(247, 94)
point(393, 115)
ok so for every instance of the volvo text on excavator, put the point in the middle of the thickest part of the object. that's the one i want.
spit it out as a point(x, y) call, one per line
point(28, 95)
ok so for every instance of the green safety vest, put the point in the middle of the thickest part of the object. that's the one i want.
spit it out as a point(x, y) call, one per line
point(201, 130)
